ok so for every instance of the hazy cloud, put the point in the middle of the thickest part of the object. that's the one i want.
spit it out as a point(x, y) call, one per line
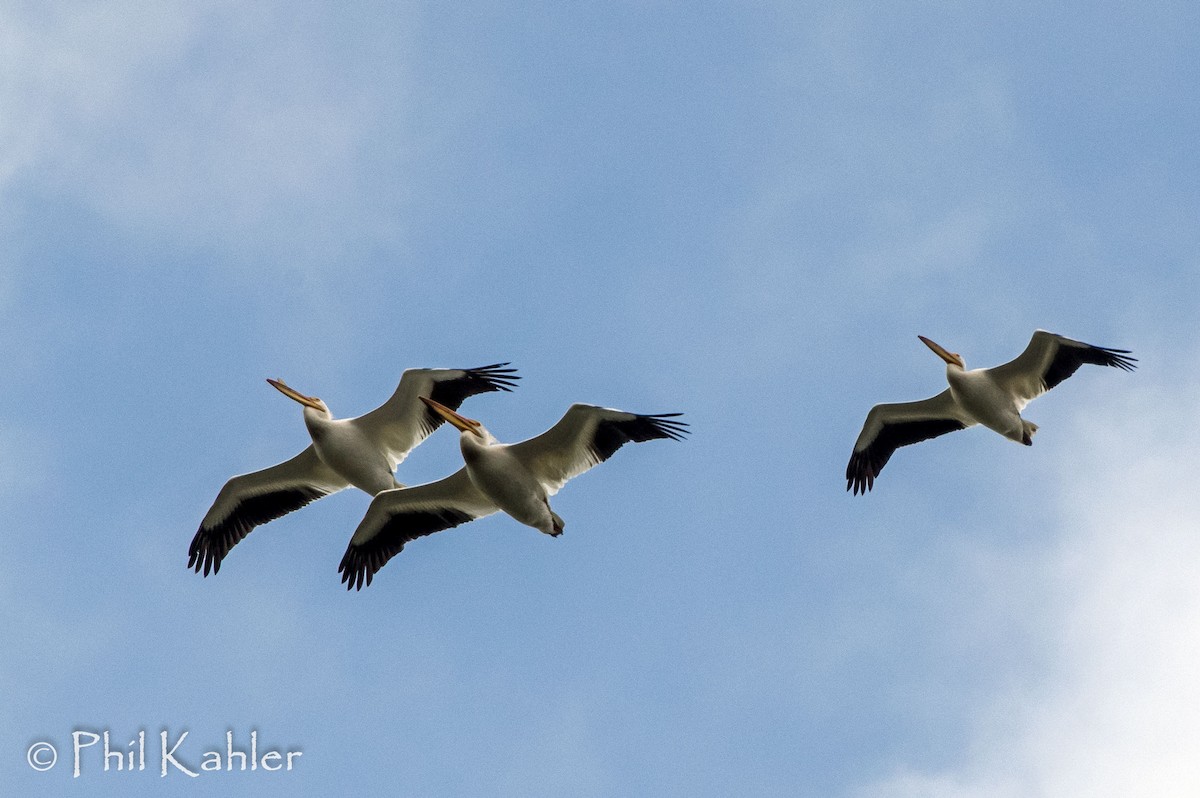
point(1115, 713)
point(230, 129)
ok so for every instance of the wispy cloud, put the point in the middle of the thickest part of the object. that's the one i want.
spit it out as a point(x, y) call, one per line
point(223, 127)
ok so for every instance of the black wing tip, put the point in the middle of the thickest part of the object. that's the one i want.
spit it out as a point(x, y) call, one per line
point(610, 434)
point(359, 566)
point(1101, 355)
point(354, 569)
point(495, 376)
point(860, 485)
point(860, 475)
point(453, 391)
point(204, 553)
point(664, 424)
point(1118, 358)
point(208, 560)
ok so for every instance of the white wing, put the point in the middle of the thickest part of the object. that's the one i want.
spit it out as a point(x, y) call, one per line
point(252, 499)
point(1048, 360)
point(587, 436)
point(398, 516)
point(402, 422)
point(890, 426)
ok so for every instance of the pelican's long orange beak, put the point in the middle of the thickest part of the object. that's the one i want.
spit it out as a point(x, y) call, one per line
point(461, 422)
point(291, 393)
point(940, 351)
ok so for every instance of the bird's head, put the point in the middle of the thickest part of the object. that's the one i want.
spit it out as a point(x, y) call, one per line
point(951, 358)
point(468, 426)
point(309, 402)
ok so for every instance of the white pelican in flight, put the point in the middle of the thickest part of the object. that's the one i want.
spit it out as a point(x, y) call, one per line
point(517, 478)
point(362, 452)
point(992, 397)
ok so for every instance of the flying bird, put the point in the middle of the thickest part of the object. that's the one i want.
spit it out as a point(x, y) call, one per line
point(362, 452)
point(992, 397)
point(517, 478)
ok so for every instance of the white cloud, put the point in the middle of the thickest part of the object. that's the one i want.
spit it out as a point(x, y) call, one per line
point(68, 68)
point(1114, 714)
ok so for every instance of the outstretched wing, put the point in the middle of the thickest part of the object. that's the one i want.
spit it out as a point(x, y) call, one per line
point(890, 426)
point(256, 498)
point(402, 422)
point(587, 436)
point(398, 516)
point(1048, 360)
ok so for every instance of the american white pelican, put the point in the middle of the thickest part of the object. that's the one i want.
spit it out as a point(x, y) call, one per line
point(992, 397)
point(362, 452)
point(517, 478)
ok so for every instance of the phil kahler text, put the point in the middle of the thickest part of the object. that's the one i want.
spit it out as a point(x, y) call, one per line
point(176, 754)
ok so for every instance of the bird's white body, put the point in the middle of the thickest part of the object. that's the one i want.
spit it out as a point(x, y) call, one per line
point(983, 401)
point(346, 448)
point(505, 479)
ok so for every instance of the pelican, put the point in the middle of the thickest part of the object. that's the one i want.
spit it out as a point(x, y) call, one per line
point(517, 478)
point(992, 397)
point(362, 452)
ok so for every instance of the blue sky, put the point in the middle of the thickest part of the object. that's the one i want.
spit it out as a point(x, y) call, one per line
point(744, 212)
